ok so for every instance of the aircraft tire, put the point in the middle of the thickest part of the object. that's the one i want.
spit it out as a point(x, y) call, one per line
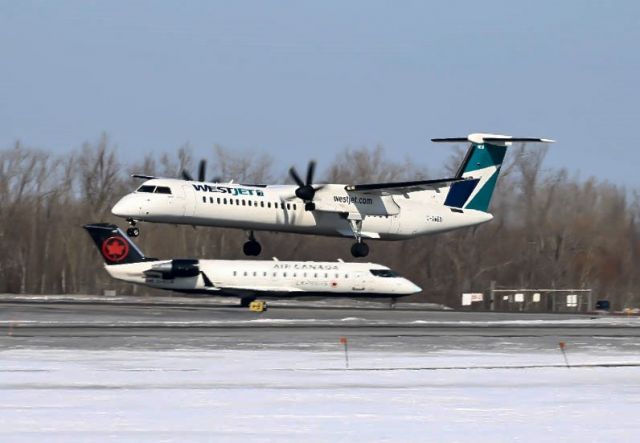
point(360, 249)
point(252, 248)
point(246, 301)
point(133, 232)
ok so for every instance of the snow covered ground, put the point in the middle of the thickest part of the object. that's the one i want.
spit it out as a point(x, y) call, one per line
point(298, 395)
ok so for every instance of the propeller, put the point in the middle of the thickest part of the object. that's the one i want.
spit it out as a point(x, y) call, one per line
point(202, 171)
point(306, 191)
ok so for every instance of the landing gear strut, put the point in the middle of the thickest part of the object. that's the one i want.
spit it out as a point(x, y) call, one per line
point(252, 247)
point(359, 248)
point(133, 230)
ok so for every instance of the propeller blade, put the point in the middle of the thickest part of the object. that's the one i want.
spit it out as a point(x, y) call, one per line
point(311, 169)
point(186, 175)
point(296, 178)
point(202, 169)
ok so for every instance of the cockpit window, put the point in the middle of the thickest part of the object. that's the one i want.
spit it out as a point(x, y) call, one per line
point(146, 188)
point(163, 190)
point(383, 273)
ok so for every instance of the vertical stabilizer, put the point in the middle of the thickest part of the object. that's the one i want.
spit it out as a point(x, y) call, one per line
point(480, 168)
point(114, 246)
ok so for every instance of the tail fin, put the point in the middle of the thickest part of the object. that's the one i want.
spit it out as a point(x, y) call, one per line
point(480, 167)
point(114, 245)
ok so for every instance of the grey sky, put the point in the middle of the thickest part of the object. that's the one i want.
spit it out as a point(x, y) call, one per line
point(304, 79)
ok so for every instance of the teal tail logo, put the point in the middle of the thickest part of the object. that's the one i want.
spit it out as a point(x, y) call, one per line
point(480, 169)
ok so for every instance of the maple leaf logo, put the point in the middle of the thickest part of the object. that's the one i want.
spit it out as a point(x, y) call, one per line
point(115, 249)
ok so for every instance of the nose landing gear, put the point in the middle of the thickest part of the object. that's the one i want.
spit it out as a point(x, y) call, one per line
point(133, 230)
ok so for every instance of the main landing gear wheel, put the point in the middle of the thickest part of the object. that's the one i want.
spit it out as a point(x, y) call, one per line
point(246, 301)
point(360, 249)
point(133, 231)
point(252, 248)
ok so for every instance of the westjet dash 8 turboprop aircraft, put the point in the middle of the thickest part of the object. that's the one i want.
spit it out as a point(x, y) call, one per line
point(385, 211)
point(246, 279)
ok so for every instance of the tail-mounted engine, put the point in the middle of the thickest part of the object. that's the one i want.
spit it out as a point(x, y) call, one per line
point(178, 268)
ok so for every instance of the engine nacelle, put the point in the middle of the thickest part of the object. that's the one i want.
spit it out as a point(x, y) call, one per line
point(179, 268)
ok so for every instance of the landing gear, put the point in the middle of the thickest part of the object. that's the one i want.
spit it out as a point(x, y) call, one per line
point(133, 230)
point(246, 301)
point(359, 248)
point(252, 247)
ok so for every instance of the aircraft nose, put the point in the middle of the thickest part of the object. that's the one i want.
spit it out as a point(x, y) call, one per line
point(410, 287)
point(125, 207)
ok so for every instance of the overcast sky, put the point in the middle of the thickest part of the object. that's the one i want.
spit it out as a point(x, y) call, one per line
point(303, 79)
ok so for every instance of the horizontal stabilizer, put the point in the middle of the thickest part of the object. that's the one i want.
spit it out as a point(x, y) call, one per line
point(479, 138)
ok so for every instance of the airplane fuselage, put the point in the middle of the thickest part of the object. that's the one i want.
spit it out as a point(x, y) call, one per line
point(275, 208)
point(265, 277)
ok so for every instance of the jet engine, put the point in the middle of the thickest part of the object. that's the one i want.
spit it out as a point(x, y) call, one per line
point(177, 268)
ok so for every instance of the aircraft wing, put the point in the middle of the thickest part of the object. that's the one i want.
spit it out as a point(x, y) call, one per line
point(402, 187)
point(258, 288)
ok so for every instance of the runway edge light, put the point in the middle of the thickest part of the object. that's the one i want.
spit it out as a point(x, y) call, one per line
point(562, 346)
point(343, 340)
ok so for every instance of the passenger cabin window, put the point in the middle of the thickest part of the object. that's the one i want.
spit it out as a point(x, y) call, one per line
point(163, 190)
point(383, 273)
point(146, 188)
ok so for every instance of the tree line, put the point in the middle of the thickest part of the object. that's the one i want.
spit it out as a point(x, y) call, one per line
point(551, 228)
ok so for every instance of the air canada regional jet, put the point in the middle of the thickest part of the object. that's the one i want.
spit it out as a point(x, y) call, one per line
point(246, 279)
point(384, 211)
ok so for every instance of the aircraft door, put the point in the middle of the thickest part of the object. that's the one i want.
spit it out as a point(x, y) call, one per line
point(189, 200)
point(174, 201)
point(359, 282)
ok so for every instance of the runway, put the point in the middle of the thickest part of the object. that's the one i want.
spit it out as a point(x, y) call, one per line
point(167, 323)
point(181, 369)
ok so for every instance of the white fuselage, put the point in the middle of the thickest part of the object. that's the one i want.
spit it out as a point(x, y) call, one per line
point(264, 277)
point(275, 208)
